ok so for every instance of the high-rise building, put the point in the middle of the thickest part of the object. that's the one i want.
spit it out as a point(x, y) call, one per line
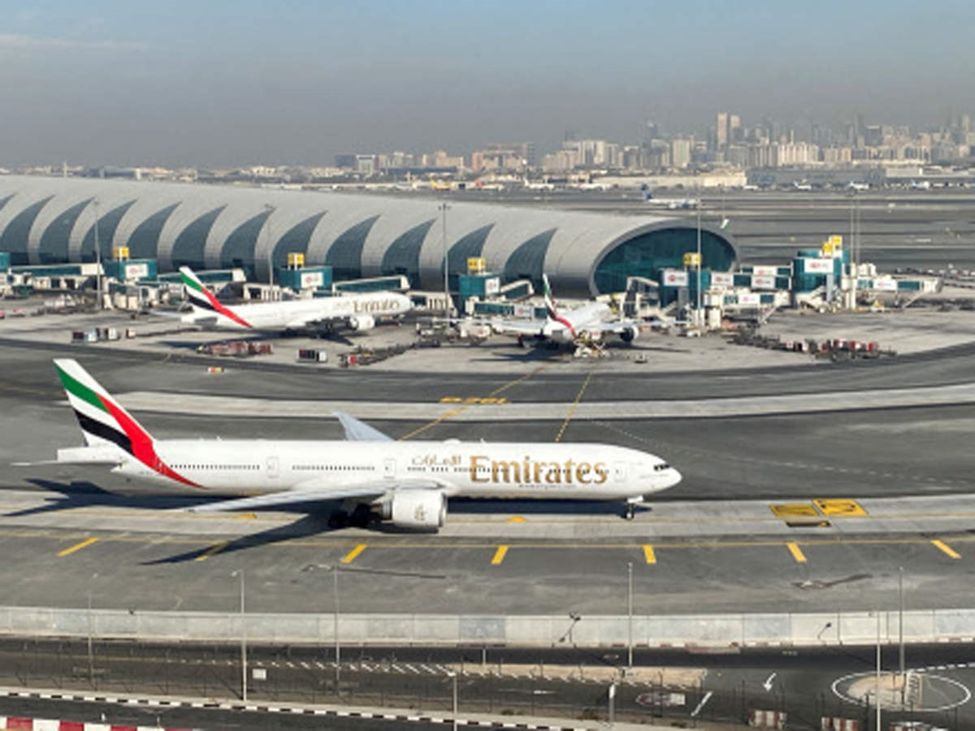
point(680, 152)
point(734, 129)
point(721, 131)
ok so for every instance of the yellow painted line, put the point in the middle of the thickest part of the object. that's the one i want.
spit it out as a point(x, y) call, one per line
point(575, 404)
point(246, 516)
point(77, 547)
point(796, 552)
point(499, 555)
point(838, 508)
point(351, 555)
point(516, 519)
point(941, 545)
point(649, 554)
point(212, 550)
point(793, 510)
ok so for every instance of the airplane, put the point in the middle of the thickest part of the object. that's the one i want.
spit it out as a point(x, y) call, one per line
point(359, 312)
point(854, 186)
point(583, 326)
point(923, 185)
point(374, 477)
point(796, 185)
point(536, 185)
point(670, 203)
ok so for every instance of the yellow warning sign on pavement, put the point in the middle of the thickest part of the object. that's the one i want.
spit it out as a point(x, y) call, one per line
point(793, 510)
point(840, 507)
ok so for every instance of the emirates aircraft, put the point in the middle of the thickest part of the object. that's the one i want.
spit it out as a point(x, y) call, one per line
point(585, 325)
point(374, 477)
point(356, 311)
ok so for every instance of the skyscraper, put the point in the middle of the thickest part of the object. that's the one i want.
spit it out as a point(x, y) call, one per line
point(721, 131)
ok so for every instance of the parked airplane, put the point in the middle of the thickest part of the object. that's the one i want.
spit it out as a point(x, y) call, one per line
point(536, 185)
point(854, 186)
point(406, 483)
point(357, 311)
point(805, 187)
point(583, 325)
point(671, 203)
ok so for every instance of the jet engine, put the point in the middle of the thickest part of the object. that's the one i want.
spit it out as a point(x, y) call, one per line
point(628, 334)
point(360, 323)
point(424, 510)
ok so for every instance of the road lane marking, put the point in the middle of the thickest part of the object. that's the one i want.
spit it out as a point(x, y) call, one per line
point(704, 700)
point(793, 510)
point(212, 550)
point(575, 405)
point(499, 555)
point(649, 554)
point(77, 547)
point(796, 552)
point(836, 507)
point(941, 545)
point(351, 555)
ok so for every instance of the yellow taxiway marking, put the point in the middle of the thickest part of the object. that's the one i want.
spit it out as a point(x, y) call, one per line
point(516, 519)
point(796, 552)
point(575, 404)
point(839, 508)
point(649, 554)
point(499, 555)
point(77, 547)
point(246, 516)
point(212, 550)
point(942, 546)
point(793, 510)
point(351, 555)
point(467, 403)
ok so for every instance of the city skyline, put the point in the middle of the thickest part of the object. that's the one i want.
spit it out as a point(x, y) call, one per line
point(224, 84)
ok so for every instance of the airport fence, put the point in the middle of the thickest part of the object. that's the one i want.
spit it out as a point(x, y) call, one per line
point(741, 630)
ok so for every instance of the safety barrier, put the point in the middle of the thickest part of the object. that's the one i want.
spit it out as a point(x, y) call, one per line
point(937, 625)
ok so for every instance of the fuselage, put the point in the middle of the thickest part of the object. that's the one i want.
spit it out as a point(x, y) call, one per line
point(295, 313)
point(585, 319)
point(577, 471)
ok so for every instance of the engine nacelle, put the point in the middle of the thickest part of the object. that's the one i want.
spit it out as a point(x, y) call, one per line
point(628, 334)
point(416, 509)
point(360, 323)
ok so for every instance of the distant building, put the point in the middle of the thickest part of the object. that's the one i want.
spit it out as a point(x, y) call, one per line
point(680, 152)
point(721, 131)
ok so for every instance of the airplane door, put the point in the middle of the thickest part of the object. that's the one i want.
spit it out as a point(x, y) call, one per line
point(272, 467)
point(619, 471)
point(389, 468)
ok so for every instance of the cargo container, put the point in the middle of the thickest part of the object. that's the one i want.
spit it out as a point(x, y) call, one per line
point(310, 355)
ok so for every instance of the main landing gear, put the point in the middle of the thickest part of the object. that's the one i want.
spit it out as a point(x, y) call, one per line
point(360, 517)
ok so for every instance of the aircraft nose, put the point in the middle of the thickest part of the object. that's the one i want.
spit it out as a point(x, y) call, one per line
point(674, 478)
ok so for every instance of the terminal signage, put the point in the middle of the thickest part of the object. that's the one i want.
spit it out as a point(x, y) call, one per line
point(674, 278)
point(136, 271)
point(763, 282)
point(885, 285)
point(749, 299)
point(818, 266)
point(311, 279)
point(722, 279)
point(492, 285)
point(764, 271)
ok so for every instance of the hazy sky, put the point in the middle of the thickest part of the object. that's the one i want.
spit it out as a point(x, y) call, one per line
point(221, 82)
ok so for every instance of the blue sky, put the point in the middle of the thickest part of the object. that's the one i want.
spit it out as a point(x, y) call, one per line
point(226, 83)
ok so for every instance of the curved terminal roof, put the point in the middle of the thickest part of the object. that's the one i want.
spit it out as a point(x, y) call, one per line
point(45, 220)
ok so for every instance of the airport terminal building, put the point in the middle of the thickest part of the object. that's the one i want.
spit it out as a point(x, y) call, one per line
point(53, 220)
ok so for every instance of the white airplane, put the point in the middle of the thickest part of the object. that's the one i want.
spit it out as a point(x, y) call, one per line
point(854, 186)
point(670, 203)
point(536, 185)
point(923, 185)
point(805, 187)
point(358, 312)
point(406, 483)
point(584, 325)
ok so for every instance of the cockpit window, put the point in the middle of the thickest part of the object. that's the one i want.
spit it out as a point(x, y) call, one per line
point(661, 467)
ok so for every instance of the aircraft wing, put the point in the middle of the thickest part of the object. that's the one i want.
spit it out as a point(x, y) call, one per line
point(313, 491)
point(359, 431)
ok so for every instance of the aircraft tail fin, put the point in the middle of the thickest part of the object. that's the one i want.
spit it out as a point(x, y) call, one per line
point(201, 299)
point(553, 313)
point(102, 419)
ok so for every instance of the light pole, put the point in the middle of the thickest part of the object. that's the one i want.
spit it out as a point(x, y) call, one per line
point(453, 676)
point(270, 249)
point(612, 705)
point(446, 269)
point(629, 613)
point(900, 630)
point(91, 651)
point(877, 699)
point(243, 638)
point(700, 203)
